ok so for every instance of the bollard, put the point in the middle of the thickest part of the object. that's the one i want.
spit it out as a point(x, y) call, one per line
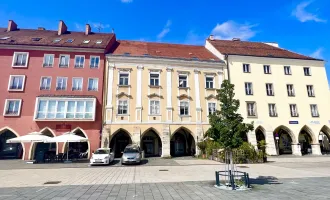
point(231, 178)
point(248, 180)
point(217, 182)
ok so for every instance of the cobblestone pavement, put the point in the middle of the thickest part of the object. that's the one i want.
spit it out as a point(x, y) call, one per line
point(262, 189)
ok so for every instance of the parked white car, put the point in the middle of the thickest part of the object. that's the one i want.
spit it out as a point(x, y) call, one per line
point(102, 156)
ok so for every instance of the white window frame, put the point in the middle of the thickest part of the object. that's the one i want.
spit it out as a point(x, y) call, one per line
point(254, 109)
point(44, 61)
point(294, 112)
point(59, 60)
point(158, 73)
point(213, 82)
point(66, 83)
point(150, 105)
point(270, 91)
point(287, 70)
point(129, 77)
point(82, 83)
point(187, 83)
point(208, 107)
point(246, 66)
point(118, 104)
point(248, 89)
point(310, 90)
point(184, 115)
point(75, 62)
point(41, 83)
point(14, 58)
point(272, 110)
point(7, 104)
point(314, 110)
point(293, 93)
point(10, 82)
point(97, 86)
point(267, 71)
point(90, 62)
point(309, 71)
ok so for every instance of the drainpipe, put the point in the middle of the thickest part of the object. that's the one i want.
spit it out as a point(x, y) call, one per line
point(227, 61)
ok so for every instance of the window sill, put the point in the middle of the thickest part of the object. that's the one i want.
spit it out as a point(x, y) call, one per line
point(154, 86)
point(270, 95)
point(19, 66)
point(11, 115)
point(210, 88)
point(184, 88)
point(291, 96)
point(64, 66)
point(252, 116)
point(15, 90)
point(273, 116)
point(249, 94)
point(184, 115)
point(92, 90)
point(295, 116)
point(154, 115)
point(312, 96)
point(316, 116)
point(124, 86)
point(46, 66)
point(122, 115)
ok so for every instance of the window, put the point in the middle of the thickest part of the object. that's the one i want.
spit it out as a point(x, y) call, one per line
point(290, 90)
point(154, 107)
point(269, 89)
point(287, 70)
point(310, 91)
point(12, 107)
point(183, 81)
point(211, 108)
point(293, 110)
point(79, 61)
point(123, 79)
point(267, 69)
point(36, 39)
point(45, 83)
point(86, 41)
point(98, 41)
point(93, 84)
point(48, 60)
point(209, 82)
point(77, 84)
point(57, 40)
point(122, 107)
point(154, 79)
point(272, 110)
point(307, 71)
point(59, 109)
point(314, 110)
point(246, 68)
point(61, 83)
point(184, 108)
point(16, 83)
point(20, 59)
point(64, 61)
point(248, 89)
point(94, 62)
point(251, 109)
point(69, 40)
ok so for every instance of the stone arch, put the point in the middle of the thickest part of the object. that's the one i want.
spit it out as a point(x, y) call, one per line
point(310, 132)
point(33, 145)
point(260, 134)
point(151, 143)
point(119, 140)
point(151, 129)
point(324, 139)
point(75, 131)
point(285, 128)
point(306, 139)
point(182, 142)
point(284, 138)
point(6, 128)
point(182, 127)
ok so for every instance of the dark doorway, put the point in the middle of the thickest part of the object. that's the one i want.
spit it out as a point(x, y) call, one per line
point(324, 140)
point(260, 137)
point(151, 144)
point(119, 141)
point(12, 150)
point(305, 141)
point(45, 150)
point(78, 149)
point(182, 144)
point(283, 143)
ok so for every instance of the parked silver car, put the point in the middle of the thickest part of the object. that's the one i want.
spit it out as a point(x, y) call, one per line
point(131, 154)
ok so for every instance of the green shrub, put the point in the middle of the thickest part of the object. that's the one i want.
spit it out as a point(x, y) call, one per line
point(202, 146)
point(210, 146)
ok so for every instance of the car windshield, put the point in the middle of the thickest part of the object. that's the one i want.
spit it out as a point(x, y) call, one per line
point(102, 151)
point(131, 150)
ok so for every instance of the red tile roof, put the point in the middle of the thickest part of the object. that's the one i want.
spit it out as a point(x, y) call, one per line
point(258, 49)
point(24, 37)
point(163, 50)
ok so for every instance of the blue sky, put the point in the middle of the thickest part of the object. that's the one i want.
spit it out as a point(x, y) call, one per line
point(297, 25)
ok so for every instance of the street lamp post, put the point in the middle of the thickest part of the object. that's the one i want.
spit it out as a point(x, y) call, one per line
point(277, 138)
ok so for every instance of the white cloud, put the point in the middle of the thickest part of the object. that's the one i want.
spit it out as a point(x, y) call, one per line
point(230, 29)
point(165, 30)
point(317, 54)
point(126, 1)
point(195, 38)
point(303, 15)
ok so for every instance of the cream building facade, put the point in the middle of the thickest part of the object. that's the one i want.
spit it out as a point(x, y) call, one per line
point(285, 94)
point(159, 98)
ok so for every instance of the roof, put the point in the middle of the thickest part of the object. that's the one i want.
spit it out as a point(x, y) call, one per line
point(47, 38)
point(163, 50)
point(258, 49)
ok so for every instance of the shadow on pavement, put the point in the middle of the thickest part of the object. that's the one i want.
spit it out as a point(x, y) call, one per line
point(265, 180)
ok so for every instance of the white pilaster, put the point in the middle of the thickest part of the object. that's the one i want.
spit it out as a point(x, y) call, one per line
point(139, 94)
point(111, 68)
point(169, 108)
point(220, 78)
point(197, 97)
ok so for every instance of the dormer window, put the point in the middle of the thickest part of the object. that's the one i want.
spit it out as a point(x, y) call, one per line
point(69, 41)
point(4, 38)
point(86, 41)
point(57, 40)
point(194, 58)
point(127, 54)
point(36, 39)
point(98, 41)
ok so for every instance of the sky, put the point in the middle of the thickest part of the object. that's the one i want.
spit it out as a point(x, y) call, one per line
point(302, 26)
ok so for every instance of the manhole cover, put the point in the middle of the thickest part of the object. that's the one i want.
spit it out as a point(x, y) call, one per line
point(242, 166)
point(163, 170)
point(52, 182)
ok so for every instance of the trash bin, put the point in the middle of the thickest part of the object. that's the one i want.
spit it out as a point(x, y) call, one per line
point(142, 154)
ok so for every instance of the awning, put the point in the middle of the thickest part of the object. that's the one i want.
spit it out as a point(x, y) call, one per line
point(66, 137)
point(31, 137)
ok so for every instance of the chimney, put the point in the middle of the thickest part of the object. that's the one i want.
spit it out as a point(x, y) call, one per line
point(12, 26)
point(211, 37)
point(62, 28)
point(88, 29)
point(41, 29)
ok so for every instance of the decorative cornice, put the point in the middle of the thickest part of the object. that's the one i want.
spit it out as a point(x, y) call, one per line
point(155, 70)
point(183, 72)
point(169, 69)
point(211, 96)
point(124, 69)
point(197, 71)
point(209, 73)
point(124, 94)
point(111, 65)
point(140, 67)
point(155, 95)
point(184, 96)
point(51, 48)
point(219, 72)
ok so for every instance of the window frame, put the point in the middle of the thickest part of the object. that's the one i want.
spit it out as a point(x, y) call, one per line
point(269, 69)
point(272, 89)
point(66, 83)
point(6, 106)
point(82, 83)
point(296, 110)
point(245, 88)
point(208, 107)
point(43, 62)
point(209, 76)
point(187, 84)
point(50, 84)
point(150, 105)
point(97, 85)
point(289, 72)
point(309, 71)
point(75, 62)
point(274, 110)
point(317, 110)
point(118, 105)
point(184, 115)
point(248, 68)
point(128, 77)
point(10, 82)
point(157, 73)
point(59, 60)
point(312, 91)
point(293, 90)
point(254, 109)
point(90, 62)
point(14, 58)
